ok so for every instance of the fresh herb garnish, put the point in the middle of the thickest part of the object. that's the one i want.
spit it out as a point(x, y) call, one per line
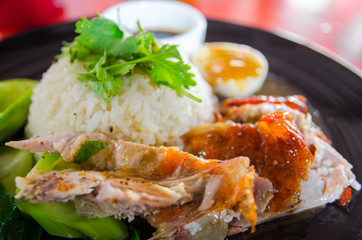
point(107, 55)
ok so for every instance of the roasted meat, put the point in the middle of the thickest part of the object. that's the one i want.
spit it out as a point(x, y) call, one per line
point(208, 190)
point(274, 145)
point(284, 145)
point(128, 157)
point(100, 194)
point(172, 188)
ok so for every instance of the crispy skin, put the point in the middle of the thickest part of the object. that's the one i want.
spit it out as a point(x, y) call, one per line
point(129, 179)
point(169, 203)
point(248, 127)
point(296, 102)
point(274, 145)
point(235, 193)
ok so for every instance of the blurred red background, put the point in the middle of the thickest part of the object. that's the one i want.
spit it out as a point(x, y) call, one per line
point(333, 25)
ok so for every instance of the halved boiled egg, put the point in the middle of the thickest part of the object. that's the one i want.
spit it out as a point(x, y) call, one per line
point(233, 70)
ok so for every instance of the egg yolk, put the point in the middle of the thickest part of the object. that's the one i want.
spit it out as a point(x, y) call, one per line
point(223, 65)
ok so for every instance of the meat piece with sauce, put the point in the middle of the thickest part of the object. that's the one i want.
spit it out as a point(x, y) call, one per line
point(303, 167)
point(129, 157)
point(105, 193)
point(174, 189)
point(249, 110)
point(274, 145)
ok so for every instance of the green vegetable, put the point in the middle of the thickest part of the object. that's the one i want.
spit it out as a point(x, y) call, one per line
point(107, 56)
point(60, 219)
point(88, 149)
point(12, 225)
point(133, 235)
point(53, 161)
point(15, 100)
point(13, 163)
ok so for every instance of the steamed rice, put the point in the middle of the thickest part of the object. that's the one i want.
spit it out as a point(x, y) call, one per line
point(141, 112)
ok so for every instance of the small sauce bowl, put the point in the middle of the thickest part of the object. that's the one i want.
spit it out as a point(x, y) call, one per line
point(172, 22)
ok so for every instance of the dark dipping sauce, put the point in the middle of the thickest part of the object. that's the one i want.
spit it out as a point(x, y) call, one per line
point(164, 33)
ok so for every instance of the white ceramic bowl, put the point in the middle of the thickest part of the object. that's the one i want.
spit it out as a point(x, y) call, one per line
point(166, 16)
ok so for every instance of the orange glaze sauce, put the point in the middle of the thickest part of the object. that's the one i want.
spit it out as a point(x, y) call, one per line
point(234, 193)
point(239, 197)
point(345, 197)
point(176, 159)
point(222, 65)
point(274, 145)
point(296, 102)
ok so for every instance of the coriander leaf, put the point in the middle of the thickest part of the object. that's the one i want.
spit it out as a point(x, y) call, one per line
point(98, 34)
point(123, 69)
point(168, 69)
point(105, 89)
point(75, 51)
point(107, 56)
point(104, 83)
point(137, 46)
point(102, 74)
point(93, 64)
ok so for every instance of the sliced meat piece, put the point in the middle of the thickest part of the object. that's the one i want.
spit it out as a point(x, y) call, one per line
point(328, 167)
point(132, 158)
point(250, 110)
point(161, 166)
point(66, 143)
point(263, 193)
point(226, 186)
point(329, 175)
point(233, 192)
point(321, 173)
point(296, 102)
point(214, 225)
point(274, 145)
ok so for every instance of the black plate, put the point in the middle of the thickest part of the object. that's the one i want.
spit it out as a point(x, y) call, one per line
point(334, 92)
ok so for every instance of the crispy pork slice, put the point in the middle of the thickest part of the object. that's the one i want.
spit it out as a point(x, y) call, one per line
point(174, 189)
point(129, 157)
point(236, 197)
point(280, 153)
point(304, 174)
point(231, 106)
point(215, 224)
point(227, 186)
point(248, 110)
point(274, 145)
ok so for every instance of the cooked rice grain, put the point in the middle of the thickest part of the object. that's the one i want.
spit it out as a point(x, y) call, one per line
point(141, 112)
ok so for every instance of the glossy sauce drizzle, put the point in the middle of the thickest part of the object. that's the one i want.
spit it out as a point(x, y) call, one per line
point(274, 145)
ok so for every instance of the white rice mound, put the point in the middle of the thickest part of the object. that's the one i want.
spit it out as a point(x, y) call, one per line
point(141, 112)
